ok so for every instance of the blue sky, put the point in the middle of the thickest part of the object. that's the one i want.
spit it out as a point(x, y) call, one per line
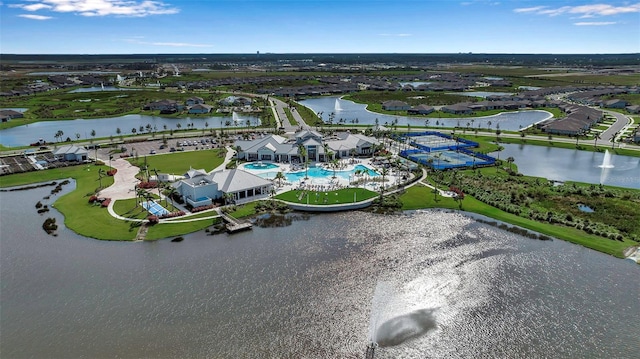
point(316, 26)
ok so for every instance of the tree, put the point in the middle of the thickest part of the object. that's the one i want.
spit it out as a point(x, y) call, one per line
point(77, 136)
point(596, 137)
point(303, 155)
point(101, 173)
point(383, 172)
point(498, 150)
point(119, 132)
point(133, 130)
point(489, 125)
point(93, 134)
point(334, 165)
point(510, 160)
point(170, 192)
point(280, 177)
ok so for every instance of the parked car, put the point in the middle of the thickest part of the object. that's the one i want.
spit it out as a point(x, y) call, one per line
point(162, 147)
point(153, 152)
point(172, 149)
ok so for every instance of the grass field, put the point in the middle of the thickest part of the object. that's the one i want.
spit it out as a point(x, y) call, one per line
point(341, 196)
point(181, 162)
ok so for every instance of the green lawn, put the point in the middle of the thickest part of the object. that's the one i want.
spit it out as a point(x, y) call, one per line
point(181, 162)
point(340, 196)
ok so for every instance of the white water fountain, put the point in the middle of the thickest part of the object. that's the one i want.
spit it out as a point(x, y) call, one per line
point(387, 327)
point(606, 166)
point(235, 117)
point(336, 106)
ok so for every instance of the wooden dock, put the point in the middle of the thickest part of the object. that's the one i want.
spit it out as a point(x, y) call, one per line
point(233, 225)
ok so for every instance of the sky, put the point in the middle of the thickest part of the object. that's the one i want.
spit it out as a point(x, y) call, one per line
point(318, 26)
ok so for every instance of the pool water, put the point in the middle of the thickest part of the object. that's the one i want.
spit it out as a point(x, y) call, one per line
point(321, 173)
point(260, 166)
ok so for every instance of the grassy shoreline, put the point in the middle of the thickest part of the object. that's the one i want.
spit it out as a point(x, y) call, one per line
point(95, 221)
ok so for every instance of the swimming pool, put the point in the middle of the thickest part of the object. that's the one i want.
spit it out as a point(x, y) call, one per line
point(260, 166)
point(322, 174)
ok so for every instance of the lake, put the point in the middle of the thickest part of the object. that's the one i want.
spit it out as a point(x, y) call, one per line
point(563, 164)
point(428, 284)
point(105, 127)
point(349, 111)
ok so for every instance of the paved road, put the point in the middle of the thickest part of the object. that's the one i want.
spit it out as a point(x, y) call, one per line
point(621, 122)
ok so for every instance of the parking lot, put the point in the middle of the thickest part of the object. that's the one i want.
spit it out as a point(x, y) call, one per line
point(150, 148)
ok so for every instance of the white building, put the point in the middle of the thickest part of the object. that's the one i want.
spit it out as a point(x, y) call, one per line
point(280, 149)
point(200, 188)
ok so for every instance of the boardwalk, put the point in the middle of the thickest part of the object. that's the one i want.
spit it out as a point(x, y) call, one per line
point(233, 225)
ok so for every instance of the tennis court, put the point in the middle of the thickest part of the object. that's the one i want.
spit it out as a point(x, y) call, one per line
point(154, 208)
point(442, 160)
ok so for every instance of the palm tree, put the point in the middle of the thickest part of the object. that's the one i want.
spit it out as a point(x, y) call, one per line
point(170, 192)
point(101, 173)
point(140, 194)
point(155, 171)
point(383, 172)
point(93, 134)
point(498, 150)
point(280, 177)
point(596, 137)
point(118, 132)
point(334, 165)
point(510, 161)
point(77, 136)
point(327, 151)
point(303, 155)
point(489, 125)
point(238, 150)
point(426, 123)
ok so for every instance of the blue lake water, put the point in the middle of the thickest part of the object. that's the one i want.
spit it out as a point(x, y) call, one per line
point(105, 127)
point(349, 111)
point(463, 289)
point(563, 164)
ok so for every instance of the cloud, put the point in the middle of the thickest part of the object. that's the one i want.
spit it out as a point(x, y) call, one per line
point(583, 11)
point(595, 23)
point(35, 17)
point(126, 8)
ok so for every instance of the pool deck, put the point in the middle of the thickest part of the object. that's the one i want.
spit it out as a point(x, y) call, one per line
point(327, 183)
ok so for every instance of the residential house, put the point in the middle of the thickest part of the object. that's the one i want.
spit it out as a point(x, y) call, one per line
point(633, 109)
point(615, 103)
point(164, 106)
point(395, 105)
point(420, 110)
point(6, 115)
point(200, 109)
point(194, 101)
point(456, 109)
